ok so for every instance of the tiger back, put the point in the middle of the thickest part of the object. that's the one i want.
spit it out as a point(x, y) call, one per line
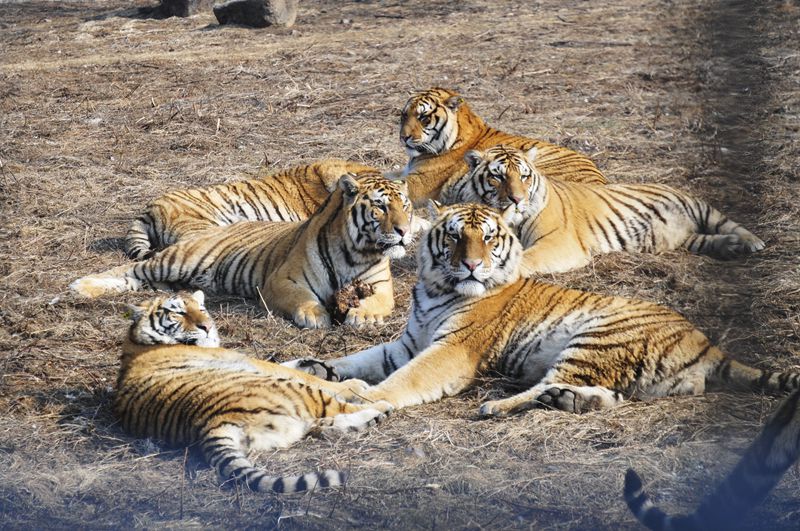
point(576, 351)
point(563, 224)
point(177, 385)
point(437, 127)
point(293, 268)
point(775, 449)
point(293, 194)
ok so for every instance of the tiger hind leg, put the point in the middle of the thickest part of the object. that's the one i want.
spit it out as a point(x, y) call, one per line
point(564, 397)
point(116, 280)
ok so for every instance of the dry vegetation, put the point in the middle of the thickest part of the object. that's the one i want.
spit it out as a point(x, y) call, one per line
point(101, 111)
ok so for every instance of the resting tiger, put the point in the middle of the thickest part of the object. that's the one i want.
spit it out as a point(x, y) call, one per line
point(437, 128)
point(471, 313)
point(761, 468)
point(175, 384)
point(288, 195)
point(563, 224)
point(295, 268)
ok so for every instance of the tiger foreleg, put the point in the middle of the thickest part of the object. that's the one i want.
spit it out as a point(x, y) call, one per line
point(564, 397)
point(440, 370)
point(294, 299)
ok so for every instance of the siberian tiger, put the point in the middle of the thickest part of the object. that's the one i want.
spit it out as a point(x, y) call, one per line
point(761, 468)
point(292, 194)
point(437, 127)
point(177, 385)
point(563, 224)
point(295, 268)
point(472, 313)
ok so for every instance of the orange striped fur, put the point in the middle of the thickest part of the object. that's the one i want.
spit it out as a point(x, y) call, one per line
point(295, 268)
point(563, 224)
point(437, 127)
point(177, 385)
point(293, 194)
point(472, 314)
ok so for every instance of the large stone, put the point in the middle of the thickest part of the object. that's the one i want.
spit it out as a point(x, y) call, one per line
point(183, 8)
point(257, 13)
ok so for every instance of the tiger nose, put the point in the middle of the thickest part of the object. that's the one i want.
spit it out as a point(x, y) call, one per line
point(401, 230)
point(515, 199)
point(204, 327)
point(472, 264)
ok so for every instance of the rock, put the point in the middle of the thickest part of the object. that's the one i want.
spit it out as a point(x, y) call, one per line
point(257, 13)
point(183, 8)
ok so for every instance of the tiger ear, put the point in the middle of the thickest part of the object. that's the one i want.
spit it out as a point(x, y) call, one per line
point(531, 154)
point(199, 296)
point(349, 185)
point(132, 312)
point(454, 102)
point(434, 208)
point(473, 157)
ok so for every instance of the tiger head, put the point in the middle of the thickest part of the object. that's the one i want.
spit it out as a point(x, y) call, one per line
point(505, 177)
point(175, 319)
point(380, 216)
point(469, 249)
point(429, 121)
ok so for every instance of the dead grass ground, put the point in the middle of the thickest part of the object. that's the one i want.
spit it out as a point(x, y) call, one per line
point(101, 112)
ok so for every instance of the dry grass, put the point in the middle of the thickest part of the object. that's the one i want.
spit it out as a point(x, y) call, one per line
point(101, 111)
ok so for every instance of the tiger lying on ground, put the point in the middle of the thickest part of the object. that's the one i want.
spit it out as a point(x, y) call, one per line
point(437, 128)
point(292, 194)
point(772, 453)
point(175, 384)
point(295, 268)
point(563, 224)
point(471, 314)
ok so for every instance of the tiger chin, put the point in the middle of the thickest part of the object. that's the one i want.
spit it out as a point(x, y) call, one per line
point(177, 385)
point(293, 268)
point(563, 224)
point(437, 127)
point(576, 351)
point(775, 449)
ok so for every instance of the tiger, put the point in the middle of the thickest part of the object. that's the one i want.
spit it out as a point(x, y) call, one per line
point(293, 194)
point(775, 449)
point(563, 224)
point(473, 314)
point(293, 268)
point(437, 127)
point(176, 384)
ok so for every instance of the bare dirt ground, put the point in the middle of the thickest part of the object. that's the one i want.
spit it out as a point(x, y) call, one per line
point(101, 111)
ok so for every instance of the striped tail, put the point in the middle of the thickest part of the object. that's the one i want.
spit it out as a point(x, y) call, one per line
point(717, 235)
point(232, 464)
point(141, 239)
point(766, 460)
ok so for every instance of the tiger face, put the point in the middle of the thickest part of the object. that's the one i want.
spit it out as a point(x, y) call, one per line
point(469, 249)
point(380, 214)
point(177, 319)
point(428, 122)
point(504, 177)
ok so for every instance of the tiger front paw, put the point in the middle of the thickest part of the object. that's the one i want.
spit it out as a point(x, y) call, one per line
point(311, 315)
point(361, 316)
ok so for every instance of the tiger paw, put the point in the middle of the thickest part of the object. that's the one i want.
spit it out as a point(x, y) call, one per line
point(361, 316)
point(311, 315)
point(315, 367)
point(734, 245)
point(493, 408)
